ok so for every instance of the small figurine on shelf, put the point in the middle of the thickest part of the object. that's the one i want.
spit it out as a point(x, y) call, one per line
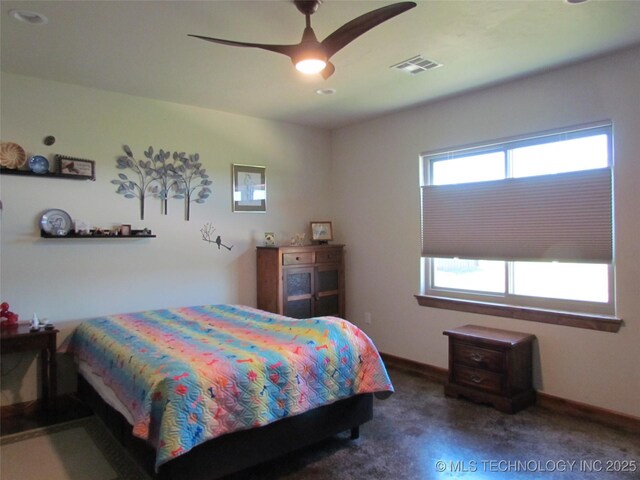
point(35, 323)
point(8, 319)
point(298, 240)
point(269, 239)
point(81, 227)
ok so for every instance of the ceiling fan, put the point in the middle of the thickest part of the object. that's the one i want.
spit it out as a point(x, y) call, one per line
point(310, 55)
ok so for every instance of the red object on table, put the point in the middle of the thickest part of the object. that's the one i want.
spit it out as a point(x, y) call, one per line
point(7, 319)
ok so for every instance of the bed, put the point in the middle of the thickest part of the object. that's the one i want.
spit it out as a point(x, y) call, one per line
point(202, 392)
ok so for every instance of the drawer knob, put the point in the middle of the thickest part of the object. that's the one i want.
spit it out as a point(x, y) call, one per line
point(476, 379)
point(476, 357)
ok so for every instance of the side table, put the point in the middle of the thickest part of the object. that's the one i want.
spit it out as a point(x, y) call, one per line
point(488, 365)
point(21, 339)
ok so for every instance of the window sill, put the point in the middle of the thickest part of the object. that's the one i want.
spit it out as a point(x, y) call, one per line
point(578, 320)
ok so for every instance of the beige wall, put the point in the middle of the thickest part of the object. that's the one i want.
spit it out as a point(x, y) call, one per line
point(376, 198)
point(68, 280)
point(373, 181)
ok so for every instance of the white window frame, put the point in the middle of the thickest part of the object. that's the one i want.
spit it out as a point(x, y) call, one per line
point(508, 298)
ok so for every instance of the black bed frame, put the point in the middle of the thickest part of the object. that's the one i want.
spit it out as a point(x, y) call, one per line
point(234, 452)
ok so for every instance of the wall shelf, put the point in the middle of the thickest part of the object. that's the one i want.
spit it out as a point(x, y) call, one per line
point(29, 173)
point(134, 234)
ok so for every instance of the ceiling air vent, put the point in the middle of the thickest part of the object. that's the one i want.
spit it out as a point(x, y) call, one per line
point(416, 64)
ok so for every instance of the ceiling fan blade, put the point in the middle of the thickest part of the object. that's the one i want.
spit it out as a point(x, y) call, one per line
point(356, 27)
point(288, 50)
point(328, 70)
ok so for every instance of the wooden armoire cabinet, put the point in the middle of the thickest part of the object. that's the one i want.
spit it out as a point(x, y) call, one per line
point(301, 282)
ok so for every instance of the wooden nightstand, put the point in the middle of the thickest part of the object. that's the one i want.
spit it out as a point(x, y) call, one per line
point(492, 366)
point(22, 340)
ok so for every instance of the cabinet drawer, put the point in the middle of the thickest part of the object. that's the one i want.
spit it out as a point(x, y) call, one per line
point(477, 357)
point(24, 344)
point(328, 256)
point(297, 258)
point(483, 379)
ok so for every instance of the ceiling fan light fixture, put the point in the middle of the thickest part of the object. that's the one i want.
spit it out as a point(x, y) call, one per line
point(310, 66)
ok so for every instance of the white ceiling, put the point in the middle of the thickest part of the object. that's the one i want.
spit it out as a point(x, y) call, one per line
point(142, 48)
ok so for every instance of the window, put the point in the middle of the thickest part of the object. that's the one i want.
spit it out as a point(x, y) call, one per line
point(523, 223)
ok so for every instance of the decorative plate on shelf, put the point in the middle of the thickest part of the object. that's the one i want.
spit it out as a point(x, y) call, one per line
point(39, 164)
point(56, 222)
point(12, 155)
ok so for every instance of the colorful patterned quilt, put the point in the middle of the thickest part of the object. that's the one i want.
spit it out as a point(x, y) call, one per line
point(187, 375)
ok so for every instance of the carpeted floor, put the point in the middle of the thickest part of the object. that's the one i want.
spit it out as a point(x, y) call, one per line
point(416, 434)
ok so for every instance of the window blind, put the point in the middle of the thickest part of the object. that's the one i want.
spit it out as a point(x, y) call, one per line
point(564, 217)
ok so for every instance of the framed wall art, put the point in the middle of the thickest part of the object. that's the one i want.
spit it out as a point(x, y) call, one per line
point(249, 188)
point(321, 232)
point(76, 166)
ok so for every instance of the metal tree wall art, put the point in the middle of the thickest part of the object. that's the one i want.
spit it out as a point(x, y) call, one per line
point(183, 179)
point(192, 178)
point(167, 178)
point(146, 176)
point(207, 235)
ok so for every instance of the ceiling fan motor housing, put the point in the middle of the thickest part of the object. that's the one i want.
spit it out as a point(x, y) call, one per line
point(307, 7)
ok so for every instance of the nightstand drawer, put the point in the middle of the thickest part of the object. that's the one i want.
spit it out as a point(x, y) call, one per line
point(25, 343)
point(476, 357)
point(476, 378)
point(328, 256)
point(297, 258)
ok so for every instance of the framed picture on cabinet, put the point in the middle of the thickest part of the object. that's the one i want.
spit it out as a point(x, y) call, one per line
point(76, 166)
point(249, 188)
point(321, 232)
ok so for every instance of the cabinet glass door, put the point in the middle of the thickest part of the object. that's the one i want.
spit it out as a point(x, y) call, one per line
point(298, 292)
point(327, 291)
